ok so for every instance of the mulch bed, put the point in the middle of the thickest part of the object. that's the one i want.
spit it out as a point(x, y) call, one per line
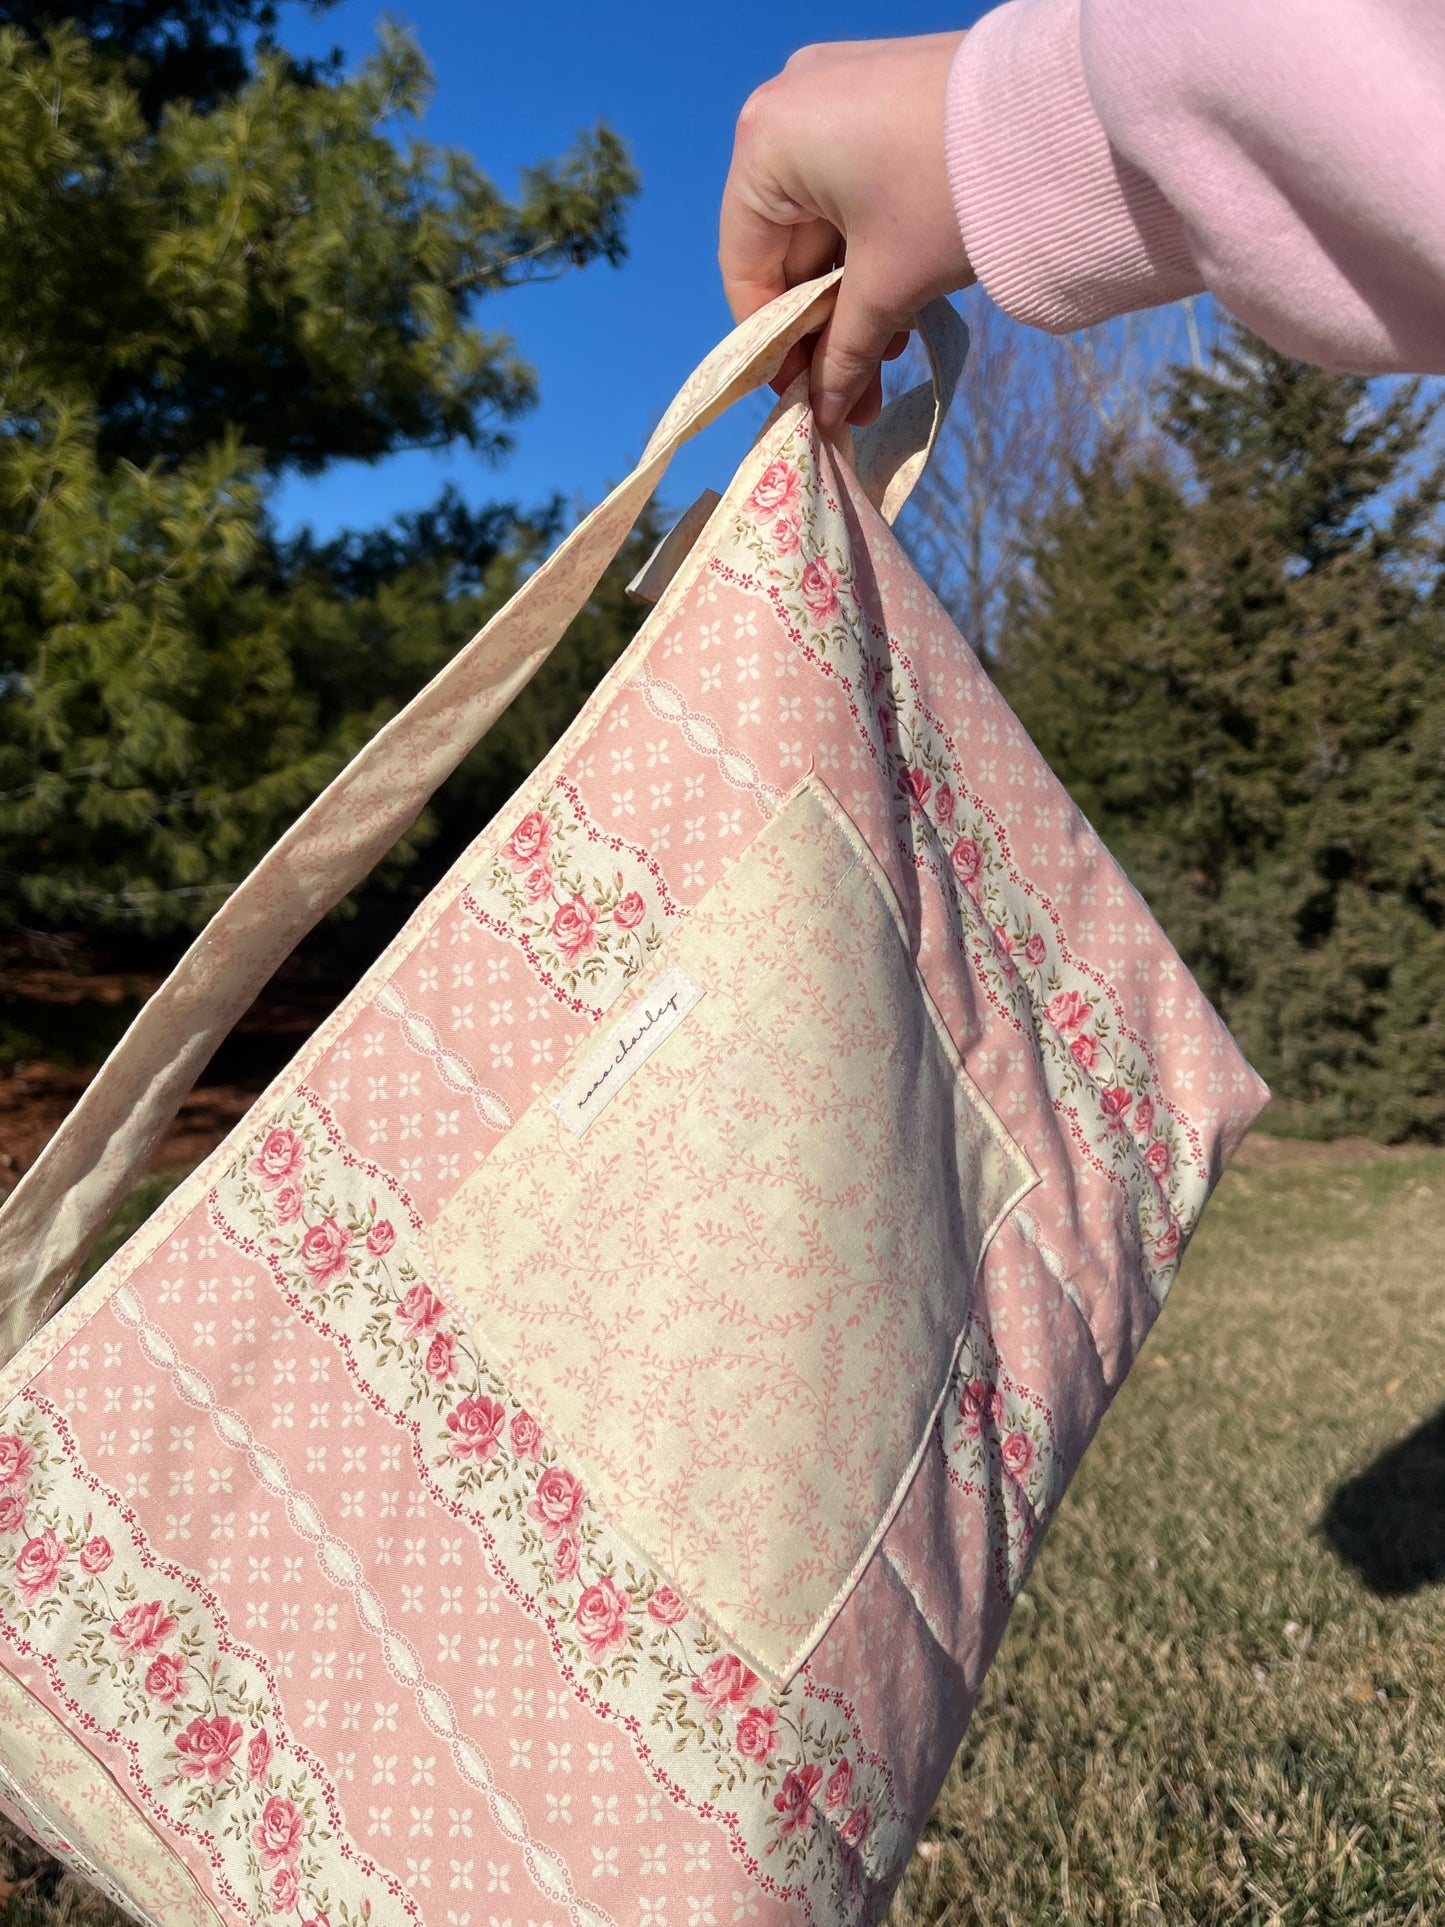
point(36, 1093)
point(35, 1099)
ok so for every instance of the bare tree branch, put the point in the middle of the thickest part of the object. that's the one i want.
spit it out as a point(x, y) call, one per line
point(1031, 409)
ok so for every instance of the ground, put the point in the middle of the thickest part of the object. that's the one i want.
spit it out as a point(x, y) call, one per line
point(1222, 1696)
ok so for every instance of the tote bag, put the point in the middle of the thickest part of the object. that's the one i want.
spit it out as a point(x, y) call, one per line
point(570, 1453)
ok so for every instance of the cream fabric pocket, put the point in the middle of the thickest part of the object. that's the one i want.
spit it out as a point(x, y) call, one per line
point(733, 1289)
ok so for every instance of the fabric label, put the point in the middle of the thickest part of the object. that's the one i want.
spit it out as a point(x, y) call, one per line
point(626, 1048)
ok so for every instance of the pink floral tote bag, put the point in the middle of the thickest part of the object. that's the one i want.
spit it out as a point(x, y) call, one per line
point(569, 1455)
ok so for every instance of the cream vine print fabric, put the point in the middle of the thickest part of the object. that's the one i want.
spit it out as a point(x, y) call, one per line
point(57, 1792)
point(738, 1297)
point(801, 641)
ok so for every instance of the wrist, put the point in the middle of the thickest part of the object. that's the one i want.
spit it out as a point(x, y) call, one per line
point(1062, 231)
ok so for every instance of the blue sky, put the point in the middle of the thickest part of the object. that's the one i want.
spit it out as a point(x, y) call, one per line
point(611, 346)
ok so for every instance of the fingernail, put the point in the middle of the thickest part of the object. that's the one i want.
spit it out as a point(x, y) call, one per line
point(830, 410)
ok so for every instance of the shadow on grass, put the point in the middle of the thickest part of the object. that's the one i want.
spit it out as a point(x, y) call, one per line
point(1388, 1522)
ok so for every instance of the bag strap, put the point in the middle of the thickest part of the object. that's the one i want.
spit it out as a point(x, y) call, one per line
point(889, 456)
point(892, 454)
point(100, 1150)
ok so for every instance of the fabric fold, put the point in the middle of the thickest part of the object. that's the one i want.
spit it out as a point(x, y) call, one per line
point(1061, 229)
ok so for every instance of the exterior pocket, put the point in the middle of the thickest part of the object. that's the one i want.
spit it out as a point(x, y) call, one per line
point(728, 1256)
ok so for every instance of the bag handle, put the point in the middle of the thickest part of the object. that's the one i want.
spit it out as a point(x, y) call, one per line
point(891, 454)
point(888, 456)
point(75, 1185)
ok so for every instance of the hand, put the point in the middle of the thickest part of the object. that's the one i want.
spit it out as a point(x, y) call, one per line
point(843, 151)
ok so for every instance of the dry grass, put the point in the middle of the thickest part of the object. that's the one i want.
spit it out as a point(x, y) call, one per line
point(1222, 1698)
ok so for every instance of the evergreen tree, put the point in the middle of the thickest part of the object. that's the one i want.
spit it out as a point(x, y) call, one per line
point(1232, 653)
point(195, 299)
point(172, 49)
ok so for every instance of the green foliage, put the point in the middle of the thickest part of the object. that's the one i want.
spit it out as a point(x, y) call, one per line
point(1234, 660)
point(191, 303)
point(172, 49)
point(368, 619)
point(278, 265)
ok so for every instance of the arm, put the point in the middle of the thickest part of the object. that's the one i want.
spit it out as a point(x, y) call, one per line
point(1102, 155)
point(1110, 154)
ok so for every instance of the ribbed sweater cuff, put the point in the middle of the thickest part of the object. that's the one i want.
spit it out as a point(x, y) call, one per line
point(1061, 229)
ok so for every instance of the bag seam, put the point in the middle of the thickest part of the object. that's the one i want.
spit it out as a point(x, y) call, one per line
point(71, 1739)
point(18, 1371)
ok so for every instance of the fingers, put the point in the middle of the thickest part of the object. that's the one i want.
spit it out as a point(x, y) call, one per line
point(759, 218)
point(860, 331)
point(843, 150)
point(767, 240)
point(869, 405)
point(752, 248)
point(795, 361)
point(814, 248)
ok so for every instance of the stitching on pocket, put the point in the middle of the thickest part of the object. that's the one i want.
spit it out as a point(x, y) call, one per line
point(741, 1332)
point(878, 876)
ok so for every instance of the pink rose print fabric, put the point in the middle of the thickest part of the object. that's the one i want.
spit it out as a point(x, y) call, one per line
point(434, 1515)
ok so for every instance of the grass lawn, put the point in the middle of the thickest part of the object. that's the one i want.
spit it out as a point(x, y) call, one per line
point(1222, 1696)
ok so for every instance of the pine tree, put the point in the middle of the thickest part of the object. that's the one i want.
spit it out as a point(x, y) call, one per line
point(194, 300)
point(1232, 652)
point(172, 49)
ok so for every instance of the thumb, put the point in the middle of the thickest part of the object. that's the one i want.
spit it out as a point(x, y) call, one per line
point(853, 344)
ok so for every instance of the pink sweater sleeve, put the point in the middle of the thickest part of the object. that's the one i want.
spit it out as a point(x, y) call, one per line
point(1287, 155)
